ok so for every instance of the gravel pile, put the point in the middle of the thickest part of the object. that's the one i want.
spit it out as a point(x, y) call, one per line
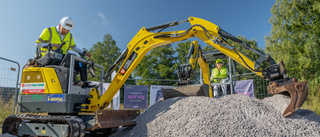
point(232, 115)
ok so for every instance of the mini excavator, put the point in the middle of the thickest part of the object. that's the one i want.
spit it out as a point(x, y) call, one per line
point(73, 110)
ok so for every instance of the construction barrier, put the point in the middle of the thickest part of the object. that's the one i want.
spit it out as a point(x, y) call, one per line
point(9, 86)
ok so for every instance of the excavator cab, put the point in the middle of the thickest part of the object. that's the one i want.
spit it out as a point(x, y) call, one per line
point(52, 88)
point(184, 73)
point(211, 57)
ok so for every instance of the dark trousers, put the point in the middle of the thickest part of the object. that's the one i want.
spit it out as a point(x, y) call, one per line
point(82, 69)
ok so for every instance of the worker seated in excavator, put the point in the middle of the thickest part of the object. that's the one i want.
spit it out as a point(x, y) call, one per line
point(219, 75)
point(53, 45)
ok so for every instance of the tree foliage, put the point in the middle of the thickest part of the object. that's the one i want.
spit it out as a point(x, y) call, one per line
point(249, 53)
point(160, 63)
point(295, 40)
point(105, 53)
point(182, 49)
point(295, 36)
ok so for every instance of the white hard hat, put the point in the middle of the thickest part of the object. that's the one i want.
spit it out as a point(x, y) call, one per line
point(67, 23)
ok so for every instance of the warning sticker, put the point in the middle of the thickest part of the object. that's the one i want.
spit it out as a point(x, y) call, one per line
point(32, 88)
point(122, 71)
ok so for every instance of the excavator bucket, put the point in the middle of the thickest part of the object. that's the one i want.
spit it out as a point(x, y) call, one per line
point(298, 91)
point(114, 118)
point(185, 91)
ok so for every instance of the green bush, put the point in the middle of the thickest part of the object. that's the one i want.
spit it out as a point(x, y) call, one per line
point(313, 100)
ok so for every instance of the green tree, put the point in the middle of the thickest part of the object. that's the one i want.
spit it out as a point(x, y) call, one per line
point(104, 53)
point(208, 48)
point(249, 53)
point(182, 49)
point(295, 40)
point(159, 63)
point(259, 90)
point(295, 36)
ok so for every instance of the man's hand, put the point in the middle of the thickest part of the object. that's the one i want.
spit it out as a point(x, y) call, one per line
point(55, 45)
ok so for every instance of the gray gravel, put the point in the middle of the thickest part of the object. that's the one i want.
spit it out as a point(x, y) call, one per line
point(232, 115)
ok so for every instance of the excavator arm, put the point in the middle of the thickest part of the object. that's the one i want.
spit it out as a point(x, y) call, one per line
point(145, 40)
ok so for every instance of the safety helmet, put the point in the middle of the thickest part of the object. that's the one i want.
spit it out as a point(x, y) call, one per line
point(67, 23)
point(218, 61)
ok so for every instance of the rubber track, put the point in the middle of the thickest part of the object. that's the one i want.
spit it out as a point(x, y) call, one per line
point(77, 127)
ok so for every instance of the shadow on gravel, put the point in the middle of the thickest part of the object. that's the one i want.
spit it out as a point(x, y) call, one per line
point(305, 114)
point(147, 116)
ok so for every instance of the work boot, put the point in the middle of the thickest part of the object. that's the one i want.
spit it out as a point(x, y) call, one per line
point(215, 94)
point(215, 91)
point(79, 83)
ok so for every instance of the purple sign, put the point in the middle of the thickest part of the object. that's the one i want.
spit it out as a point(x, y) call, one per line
point(245, 87)
point(135, 97)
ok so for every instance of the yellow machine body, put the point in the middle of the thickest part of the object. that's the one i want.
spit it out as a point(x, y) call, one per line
point(40, 80)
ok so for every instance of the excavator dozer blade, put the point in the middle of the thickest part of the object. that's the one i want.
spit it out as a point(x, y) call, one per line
point(298, 91)
point(185, 90)
point(114, 118)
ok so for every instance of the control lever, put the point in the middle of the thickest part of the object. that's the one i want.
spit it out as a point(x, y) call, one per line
point(92, 70)
point(83, 53)
point(59, 48)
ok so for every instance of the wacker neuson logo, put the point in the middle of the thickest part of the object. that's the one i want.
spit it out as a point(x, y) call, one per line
point(55, 98)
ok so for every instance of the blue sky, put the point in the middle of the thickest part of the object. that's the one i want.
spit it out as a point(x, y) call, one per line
point(22, 21)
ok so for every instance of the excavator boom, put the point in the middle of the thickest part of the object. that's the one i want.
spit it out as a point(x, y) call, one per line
point(145, 40)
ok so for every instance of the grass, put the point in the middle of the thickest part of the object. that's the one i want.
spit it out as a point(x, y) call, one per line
point(5, 110)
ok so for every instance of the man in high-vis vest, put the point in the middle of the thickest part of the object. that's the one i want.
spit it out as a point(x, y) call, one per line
point(219, 75)
point(57, 35)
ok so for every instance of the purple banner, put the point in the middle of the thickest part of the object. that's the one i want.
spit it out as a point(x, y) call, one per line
point(245, 87)
point(135, 97)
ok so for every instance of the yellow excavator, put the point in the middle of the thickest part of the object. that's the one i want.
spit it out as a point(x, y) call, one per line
point(73, 110)
point(213, 35)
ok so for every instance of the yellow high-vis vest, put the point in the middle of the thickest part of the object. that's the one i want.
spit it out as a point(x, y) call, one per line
point(218, 74)
point(50, 35)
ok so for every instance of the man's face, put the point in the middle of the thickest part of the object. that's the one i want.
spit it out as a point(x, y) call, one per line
point(219, 65)
point(63, 31)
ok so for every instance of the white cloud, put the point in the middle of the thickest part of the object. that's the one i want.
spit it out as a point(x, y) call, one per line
point(104, 19)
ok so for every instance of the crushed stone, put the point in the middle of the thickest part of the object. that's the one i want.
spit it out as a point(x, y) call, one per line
point(231, 115)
